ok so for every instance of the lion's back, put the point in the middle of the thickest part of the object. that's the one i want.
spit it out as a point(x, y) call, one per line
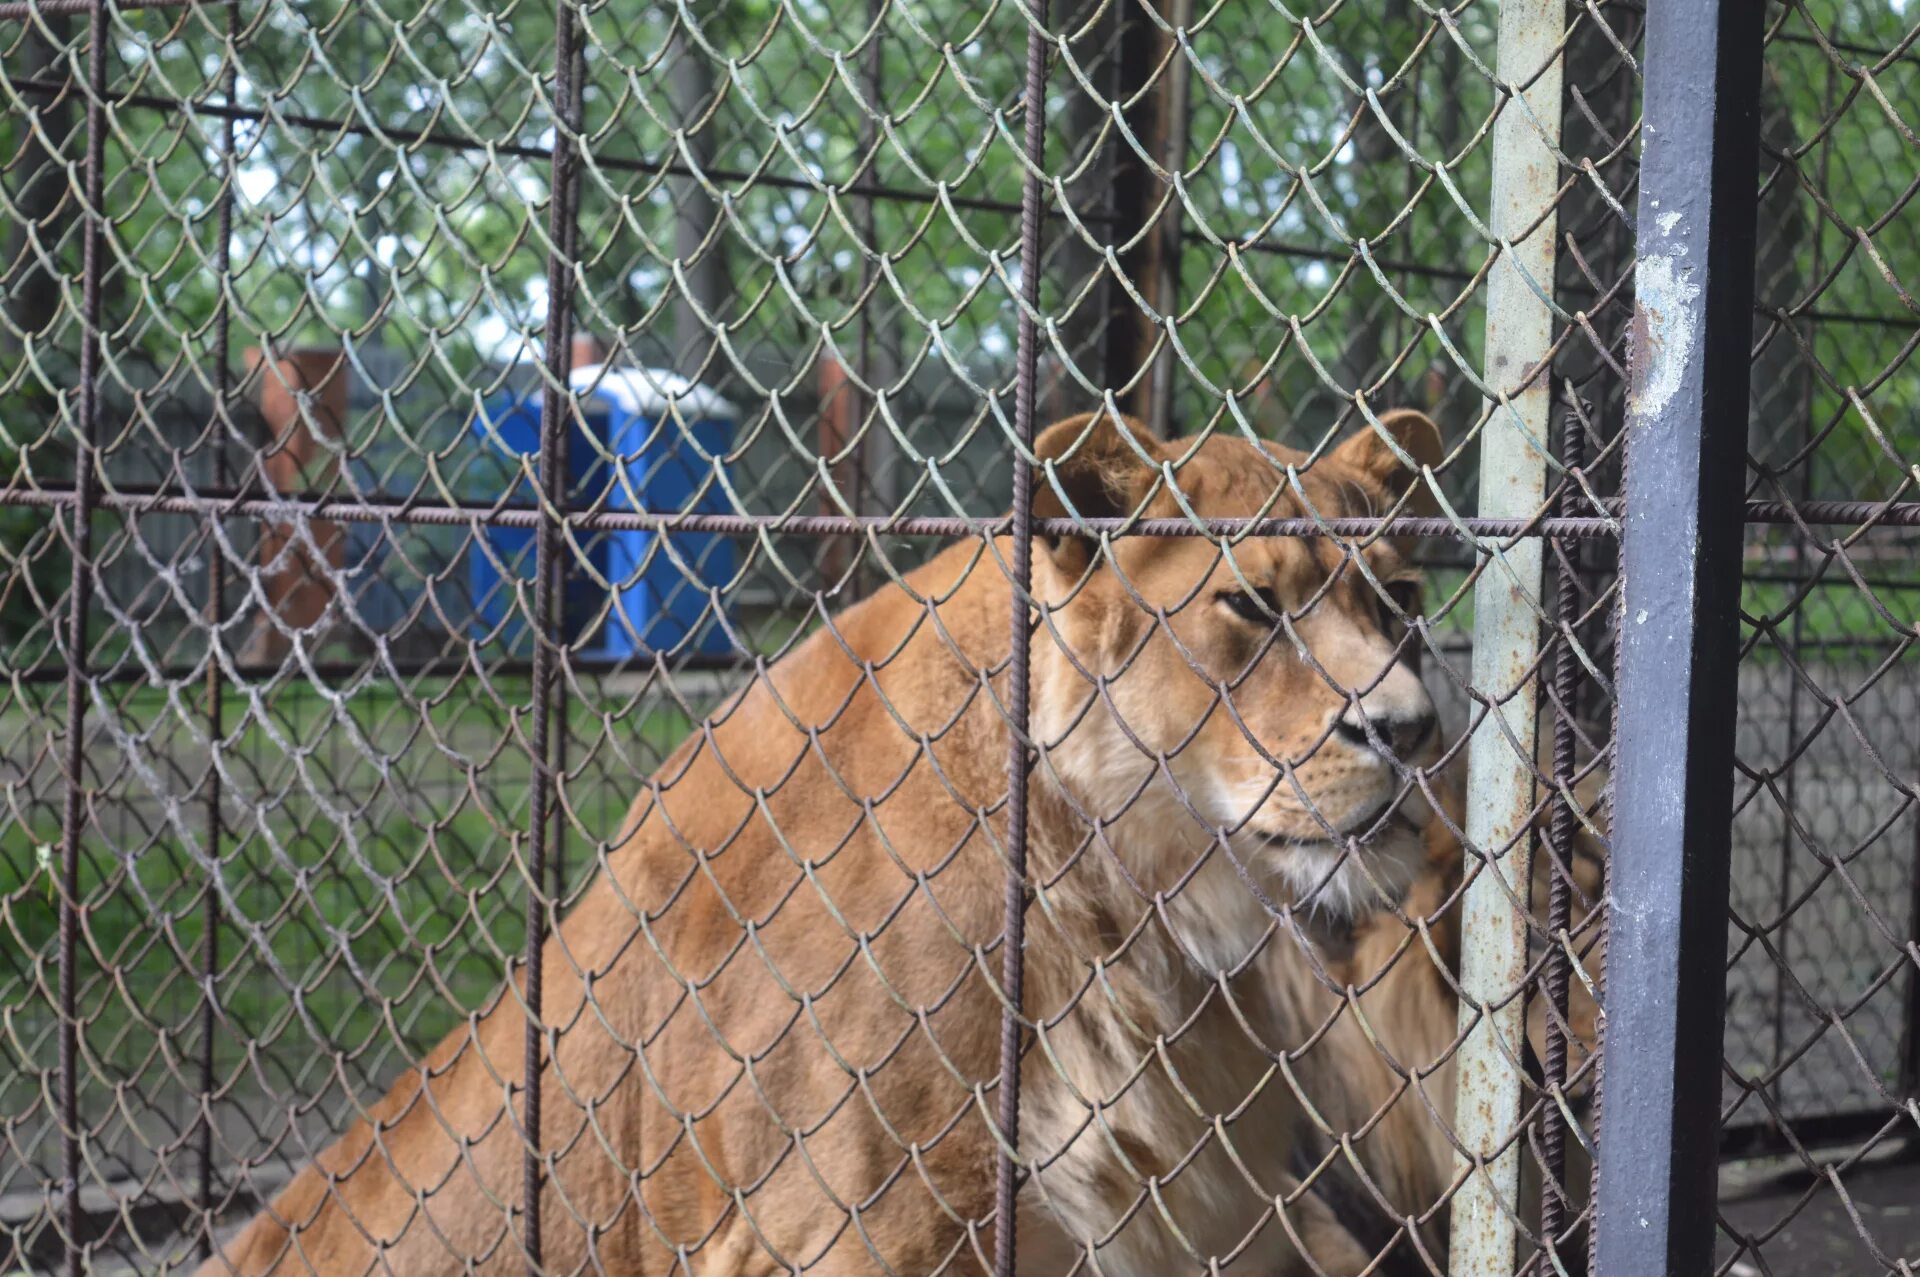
point(823, 892)
point(772, 1008)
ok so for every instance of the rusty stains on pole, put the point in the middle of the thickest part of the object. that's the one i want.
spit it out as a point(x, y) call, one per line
point(1506, 641)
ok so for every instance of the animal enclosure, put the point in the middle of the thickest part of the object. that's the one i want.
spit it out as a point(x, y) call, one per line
point(421, 419)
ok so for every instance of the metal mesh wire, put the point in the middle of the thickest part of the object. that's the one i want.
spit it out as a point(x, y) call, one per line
point(1821, 1064)
point(421, 417)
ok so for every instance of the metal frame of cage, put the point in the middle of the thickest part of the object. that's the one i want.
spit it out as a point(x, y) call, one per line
point(1659, 1139)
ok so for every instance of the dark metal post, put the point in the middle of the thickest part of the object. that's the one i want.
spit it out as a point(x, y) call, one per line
point(1135, 193)
point(555, 491)
point(1145, 234)
point(1680, 568)
point(1019, 763)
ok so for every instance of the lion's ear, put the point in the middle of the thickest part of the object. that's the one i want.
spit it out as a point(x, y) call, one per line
point(1382, 454)
point(1094, 467)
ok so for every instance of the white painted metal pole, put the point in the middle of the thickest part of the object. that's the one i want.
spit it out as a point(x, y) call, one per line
point(1506, 640)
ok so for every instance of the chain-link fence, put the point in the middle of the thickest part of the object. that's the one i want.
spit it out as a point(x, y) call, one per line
point(1822, 1062)
point(532, 740)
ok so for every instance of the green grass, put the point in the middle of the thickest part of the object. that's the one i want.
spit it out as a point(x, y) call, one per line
point(315, 950)
point(370, 883)
point(1834, 609)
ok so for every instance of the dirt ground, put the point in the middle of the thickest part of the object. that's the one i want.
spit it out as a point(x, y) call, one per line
point(1795, 1225)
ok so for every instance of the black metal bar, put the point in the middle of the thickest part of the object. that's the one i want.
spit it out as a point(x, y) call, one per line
point(216, 614)
point(1856, 317)
point(1410, 192)
point(1680, 574)
point(1769, 1138)
point(414, 138)
point(1843, 46)
point(1392, 265)
point(1020, 637)
point(562, 229)
point(1168, 234)
point(79, 601)
point(1754, 576)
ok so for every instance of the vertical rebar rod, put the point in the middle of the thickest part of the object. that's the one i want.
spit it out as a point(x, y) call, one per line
point(1605, 630)
point(1560, 835)
point(1501, 755)
point(216, 614)
point(555, 423)
point(1676, 661)
point(79, 601)
point(562, 564)
point(1020, 625)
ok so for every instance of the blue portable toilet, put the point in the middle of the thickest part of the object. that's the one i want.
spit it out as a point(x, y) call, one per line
point(652, 442)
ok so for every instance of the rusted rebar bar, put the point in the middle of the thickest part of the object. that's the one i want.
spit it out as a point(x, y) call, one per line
point(79, 600)
point(1020, 636)
point(1812, 514)
point(1561, 831)
point(548, 635)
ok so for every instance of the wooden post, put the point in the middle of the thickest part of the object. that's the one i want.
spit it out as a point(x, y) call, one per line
point(839, 399)
point(303, 400)
point(587, 350)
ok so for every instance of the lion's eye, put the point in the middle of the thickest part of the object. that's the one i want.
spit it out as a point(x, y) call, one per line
point(1404, 596)
point(1402, 600)
point(1257, 606)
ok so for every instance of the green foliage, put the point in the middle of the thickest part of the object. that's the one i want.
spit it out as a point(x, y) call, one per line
point(33, 562)
point(355, 915)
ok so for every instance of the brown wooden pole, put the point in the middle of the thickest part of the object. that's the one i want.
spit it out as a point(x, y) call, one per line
point(303, 401)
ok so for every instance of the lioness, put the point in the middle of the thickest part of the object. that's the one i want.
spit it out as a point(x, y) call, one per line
point(1380, 1079)
point(773, 1018)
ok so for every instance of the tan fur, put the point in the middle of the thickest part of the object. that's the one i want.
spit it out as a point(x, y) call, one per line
point(774, 1011)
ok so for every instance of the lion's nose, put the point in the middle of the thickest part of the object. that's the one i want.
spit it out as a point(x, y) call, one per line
point(1397, 734)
